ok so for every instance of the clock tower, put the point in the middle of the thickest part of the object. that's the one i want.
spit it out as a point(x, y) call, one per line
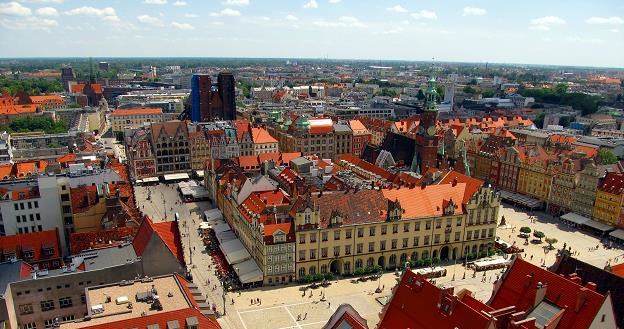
point(426, 153)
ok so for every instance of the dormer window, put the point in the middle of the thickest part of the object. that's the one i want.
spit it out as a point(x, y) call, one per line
point(279, 237)
point(307, 216)
point(28, 254)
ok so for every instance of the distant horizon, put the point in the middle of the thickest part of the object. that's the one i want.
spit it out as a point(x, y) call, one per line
point(317, 59)
point(554, 32)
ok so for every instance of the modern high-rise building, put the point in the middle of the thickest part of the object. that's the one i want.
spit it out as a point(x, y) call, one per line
point(208, 103)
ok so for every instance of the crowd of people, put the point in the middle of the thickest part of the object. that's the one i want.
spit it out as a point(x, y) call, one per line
point(223, 270)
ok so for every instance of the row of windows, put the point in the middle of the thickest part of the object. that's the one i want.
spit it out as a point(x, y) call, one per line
point(32, 217)
point(21, 205)
point(26, 230)
point(372, 231)
point(67, 285)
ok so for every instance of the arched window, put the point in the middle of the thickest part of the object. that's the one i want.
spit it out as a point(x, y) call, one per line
point(392, 260)
point(302, 271)
point(425, 254)
point(312, 270)
point(323, 268)
point(414, 256)
point(347, 267)
point(358, 263)
point(403, 259)
point(370, 261)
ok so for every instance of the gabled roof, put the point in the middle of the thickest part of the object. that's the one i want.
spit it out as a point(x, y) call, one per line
point(167, 232)
point(419, 304)
point(428, 201)
point(613, 183)
point(606, 282)
point(472, 184)
point(262, 136)
point(519, 286)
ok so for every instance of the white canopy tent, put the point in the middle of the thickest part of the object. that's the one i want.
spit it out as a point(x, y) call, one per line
point(491, 263)
point(171, 177)
point(598, 226)
point(575, 218)
point(245, 267)
point(234, 251)
point(618, 234)
point(213, 215)
point(253, 276)
point(150, 179)
point(220, 228)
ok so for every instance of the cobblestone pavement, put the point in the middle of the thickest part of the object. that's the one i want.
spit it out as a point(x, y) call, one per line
point(286, 306)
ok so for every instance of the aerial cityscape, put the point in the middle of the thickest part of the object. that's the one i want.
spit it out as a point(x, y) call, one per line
point(311, 164)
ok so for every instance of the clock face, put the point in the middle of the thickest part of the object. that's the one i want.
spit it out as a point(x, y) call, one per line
point(431, 131)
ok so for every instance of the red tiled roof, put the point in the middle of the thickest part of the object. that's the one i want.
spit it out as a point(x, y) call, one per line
point(429, 201)
point(35, 242)
point(6, 171)
point(613, 183)
point(79, 88)
point(168, 232)
point(161, 320)
point(137, 111)
point(618, 270)
point(419, 304)
point(262, 136)
point(104, 238)
point(47, 99)
point(83, 198)
point(580, 305)
point(472, 184)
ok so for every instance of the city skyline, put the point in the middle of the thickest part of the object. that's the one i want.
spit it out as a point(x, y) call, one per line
point(554, 33)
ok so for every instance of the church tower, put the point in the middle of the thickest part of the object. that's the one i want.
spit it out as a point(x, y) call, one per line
point(427, 134)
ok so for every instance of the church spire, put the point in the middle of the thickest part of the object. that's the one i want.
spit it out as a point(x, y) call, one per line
point(431, 95)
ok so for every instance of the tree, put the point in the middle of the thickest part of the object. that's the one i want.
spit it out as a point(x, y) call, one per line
point(539, 120)
point(539, 234)
point(488, 93)
point(469, 90)
point(605, 157)
point(525, 230)
point(561, 88)
point(550, 242)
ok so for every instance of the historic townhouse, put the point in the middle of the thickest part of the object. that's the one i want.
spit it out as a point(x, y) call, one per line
point(510, 162)
point(199, 147)
point(171, 146)
point(609, 200)
point(139, 154)
point(535, 176)
point(563, 185)
point(584, 193)
point(342, 231)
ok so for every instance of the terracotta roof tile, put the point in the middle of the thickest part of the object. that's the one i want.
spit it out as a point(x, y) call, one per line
point(261, 136)
point(137, 111)
point(35, 242)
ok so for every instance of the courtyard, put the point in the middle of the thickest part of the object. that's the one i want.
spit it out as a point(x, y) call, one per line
point(286, 306)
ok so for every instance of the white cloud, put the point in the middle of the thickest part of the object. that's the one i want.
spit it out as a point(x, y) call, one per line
point(264, 18)
point(424, 14)
point(474, 11)
point(155, 2)
point(577, 39)
point(312, 4)
point(614, 30)
point(613, 20)
point(546, 22)
point(291, 18)
point(343, 21)
point(334, 1)
point(191, 15)
point(226, 12)
point(393, 30)
point(150, 20)
point(397, 9)
point(236, 3)
point(47, 11)
point(111, 18)
point(29, 23)
point(41, 1)
point(182, 26)
point(14, 9)
point(180, 3)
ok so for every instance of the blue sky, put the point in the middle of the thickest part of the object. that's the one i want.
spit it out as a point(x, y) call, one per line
point(567, 32)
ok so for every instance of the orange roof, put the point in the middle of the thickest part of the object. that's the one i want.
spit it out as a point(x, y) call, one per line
point(137, 111)
point(83, 198)
point(262, 136)
point(472, 184)
point(357, 127)
point(5, 171)
point(47, 99)
point(35, 242)
point(79, 88)
point(428, 201)
point(248, 161)
point(618, 270)
point(30, 168)
point(168, 232)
